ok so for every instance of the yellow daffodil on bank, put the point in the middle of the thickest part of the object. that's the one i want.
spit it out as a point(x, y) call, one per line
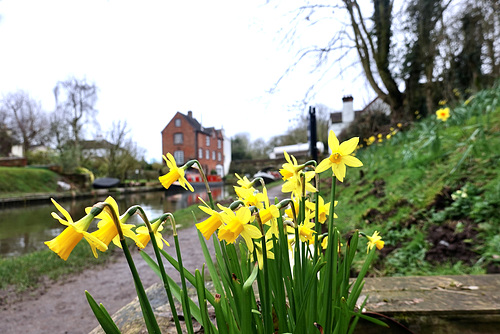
point(211, 224)
point(443, 114)
point(290, 168)
point(244, 182)
point(374, 240)
point(323, 209)
point(65, 242)
point(107, 230)
point(260, 254)
point(293, 178)
point(250, 197)
point(340, 157)
point(144, 237)
point(236, 224)
point(174, 174)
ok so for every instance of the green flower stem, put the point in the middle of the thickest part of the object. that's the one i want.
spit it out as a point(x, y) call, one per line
point(313, 305)
point(330, 258)
point(166, 285)
point(185, 297)
point(147, 311)
point(266, 305)
point(146, 308)
point(203, 176)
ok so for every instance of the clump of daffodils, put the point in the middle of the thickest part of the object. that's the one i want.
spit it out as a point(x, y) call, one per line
point(290, 248)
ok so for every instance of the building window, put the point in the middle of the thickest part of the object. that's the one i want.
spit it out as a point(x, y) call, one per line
point(213, 155)
point(207, 154)
point(178, 122)
point(179, 157)
point(200, 153)
point(219, 156)
point(208, 141)
point(219, 143)
point(178, 138)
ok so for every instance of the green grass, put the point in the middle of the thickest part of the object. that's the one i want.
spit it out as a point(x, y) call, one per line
point(16, 181)
point(404, 190)
point(25, 271)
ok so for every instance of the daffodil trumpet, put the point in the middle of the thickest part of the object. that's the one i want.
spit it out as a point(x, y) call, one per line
point(108, 208)
point(65, 242)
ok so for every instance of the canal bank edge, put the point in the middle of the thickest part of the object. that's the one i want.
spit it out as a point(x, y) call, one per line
point(34, 198)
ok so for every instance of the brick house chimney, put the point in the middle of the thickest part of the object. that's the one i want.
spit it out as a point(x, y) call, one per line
point(190, 114)
point(348, 109)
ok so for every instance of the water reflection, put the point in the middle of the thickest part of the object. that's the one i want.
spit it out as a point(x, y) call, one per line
point(24, 229)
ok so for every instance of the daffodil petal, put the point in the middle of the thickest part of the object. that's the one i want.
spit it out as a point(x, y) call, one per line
point(323, 165)
point(351, 161)
point(63, 211)
point(349, 146)
point(333, 141)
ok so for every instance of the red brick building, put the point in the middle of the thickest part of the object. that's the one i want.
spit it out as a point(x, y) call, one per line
point(186, 139)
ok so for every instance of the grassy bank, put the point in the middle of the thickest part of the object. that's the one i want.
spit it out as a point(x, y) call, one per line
point(16, 181)
point(433, 191)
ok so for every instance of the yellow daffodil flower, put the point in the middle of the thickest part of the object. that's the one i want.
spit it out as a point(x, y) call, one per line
point(340, 157)
point(443, 114)
point(294, 184)
point(65, 242)
point(260, 254)
point(244, 182)
point(270, 213)
point(211, 224)
point(290, 168)
point(144, 237)
point(107, 231)
point(306, 231)
point(323, 209)
point(374, 240)
point(236, 224)
point(268, 216)
point(292, 177)
point(324, 243)
point(250, 197)
point(174, 174)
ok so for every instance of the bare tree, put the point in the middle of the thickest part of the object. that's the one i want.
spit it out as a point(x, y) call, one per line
point(75, 107)
point(123, 154)
point(407, 54)
point(26, 119)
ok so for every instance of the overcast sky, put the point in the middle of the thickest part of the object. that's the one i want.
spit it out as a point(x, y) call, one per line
point(150, 59)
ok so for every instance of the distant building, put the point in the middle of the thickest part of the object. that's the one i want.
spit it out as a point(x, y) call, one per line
point(342, 119)
point(186, 139)
point(297, 150)
point(97, 148)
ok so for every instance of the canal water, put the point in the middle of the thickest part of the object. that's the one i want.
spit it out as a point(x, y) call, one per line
point(25, 229)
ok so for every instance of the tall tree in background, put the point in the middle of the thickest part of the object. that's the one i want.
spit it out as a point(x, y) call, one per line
point(411, 56)
point(374, 50)
point(75, 107)
point(24, 117)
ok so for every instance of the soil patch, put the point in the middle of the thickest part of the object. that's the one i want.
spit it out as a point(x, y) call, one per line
point(452, 244)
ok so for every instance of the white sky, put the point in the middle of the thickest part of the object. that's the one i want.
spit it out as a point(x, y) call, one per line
point(150, 59)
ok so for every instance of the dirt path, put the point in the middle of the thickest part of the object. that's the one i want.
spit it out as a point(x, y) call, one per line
point(62, 306)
